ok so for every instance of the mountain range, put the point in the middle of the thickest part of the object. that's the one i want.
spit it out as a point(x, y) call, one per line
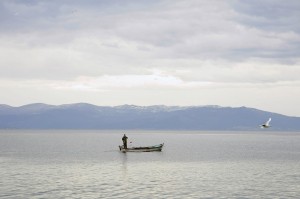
point(131, 117)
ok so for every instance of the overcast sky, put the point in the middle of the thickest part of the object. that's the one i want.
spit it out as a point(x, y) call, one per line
point(228, 53)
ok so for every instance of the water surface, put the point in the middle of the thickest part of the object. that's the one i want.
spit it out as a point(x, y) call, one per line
point(87, 164)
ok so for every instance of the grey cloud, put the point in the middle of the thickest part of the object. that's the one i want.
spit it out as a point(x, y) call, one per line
point(271, 15)
point(110, 37)
point(33, 15)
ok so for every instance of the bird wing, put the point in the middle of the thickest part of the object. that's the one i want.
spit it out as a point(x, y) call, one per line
point(267, 123)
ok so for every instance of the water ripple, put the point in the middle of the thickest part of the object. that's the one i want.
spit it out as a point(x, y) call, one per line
point(214, 170)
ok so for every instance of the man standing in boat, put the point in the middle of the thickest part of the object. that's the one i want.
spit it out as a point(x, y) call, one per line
point(124, 139)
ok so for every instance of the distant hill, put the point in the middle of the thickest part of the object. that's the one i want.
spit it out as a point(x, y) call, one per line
point(88, 116)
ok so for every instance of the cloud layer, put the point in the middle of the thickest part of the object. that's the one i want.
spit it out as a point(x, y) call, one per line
point(104, 46)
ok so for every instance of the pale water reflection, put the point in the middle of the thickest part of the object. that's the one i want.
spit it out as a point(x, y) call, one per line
point(88, 164)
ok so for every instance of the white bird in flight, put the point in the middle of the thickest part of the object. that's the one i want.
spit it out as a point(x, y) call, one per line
point(266, 125)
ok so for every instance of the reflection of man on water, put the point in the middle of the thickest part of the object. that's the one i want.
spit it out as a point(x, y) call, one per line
point(124, 139)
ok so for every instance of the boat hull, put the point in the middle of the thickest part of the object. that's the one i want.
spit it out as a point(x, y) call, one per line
point(142, 149)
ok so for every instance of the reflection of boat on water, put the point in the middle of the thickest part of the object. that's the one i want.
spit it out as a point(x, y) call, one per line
point(142, 149)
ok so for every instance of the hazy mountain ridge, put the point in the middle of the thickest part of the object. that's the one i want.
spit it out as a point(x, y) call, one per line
point(157, 117)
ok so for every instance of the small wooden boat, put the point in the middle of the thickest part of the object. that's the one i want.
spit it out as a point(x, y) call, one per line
point(142, 149)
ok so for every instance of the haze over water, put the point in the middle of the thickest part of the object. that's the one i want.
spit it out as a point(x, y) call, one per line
point(87, 164)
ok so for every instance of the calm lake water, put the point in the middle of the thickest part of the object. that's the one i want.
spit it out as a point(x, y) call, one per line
point(88, 164)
